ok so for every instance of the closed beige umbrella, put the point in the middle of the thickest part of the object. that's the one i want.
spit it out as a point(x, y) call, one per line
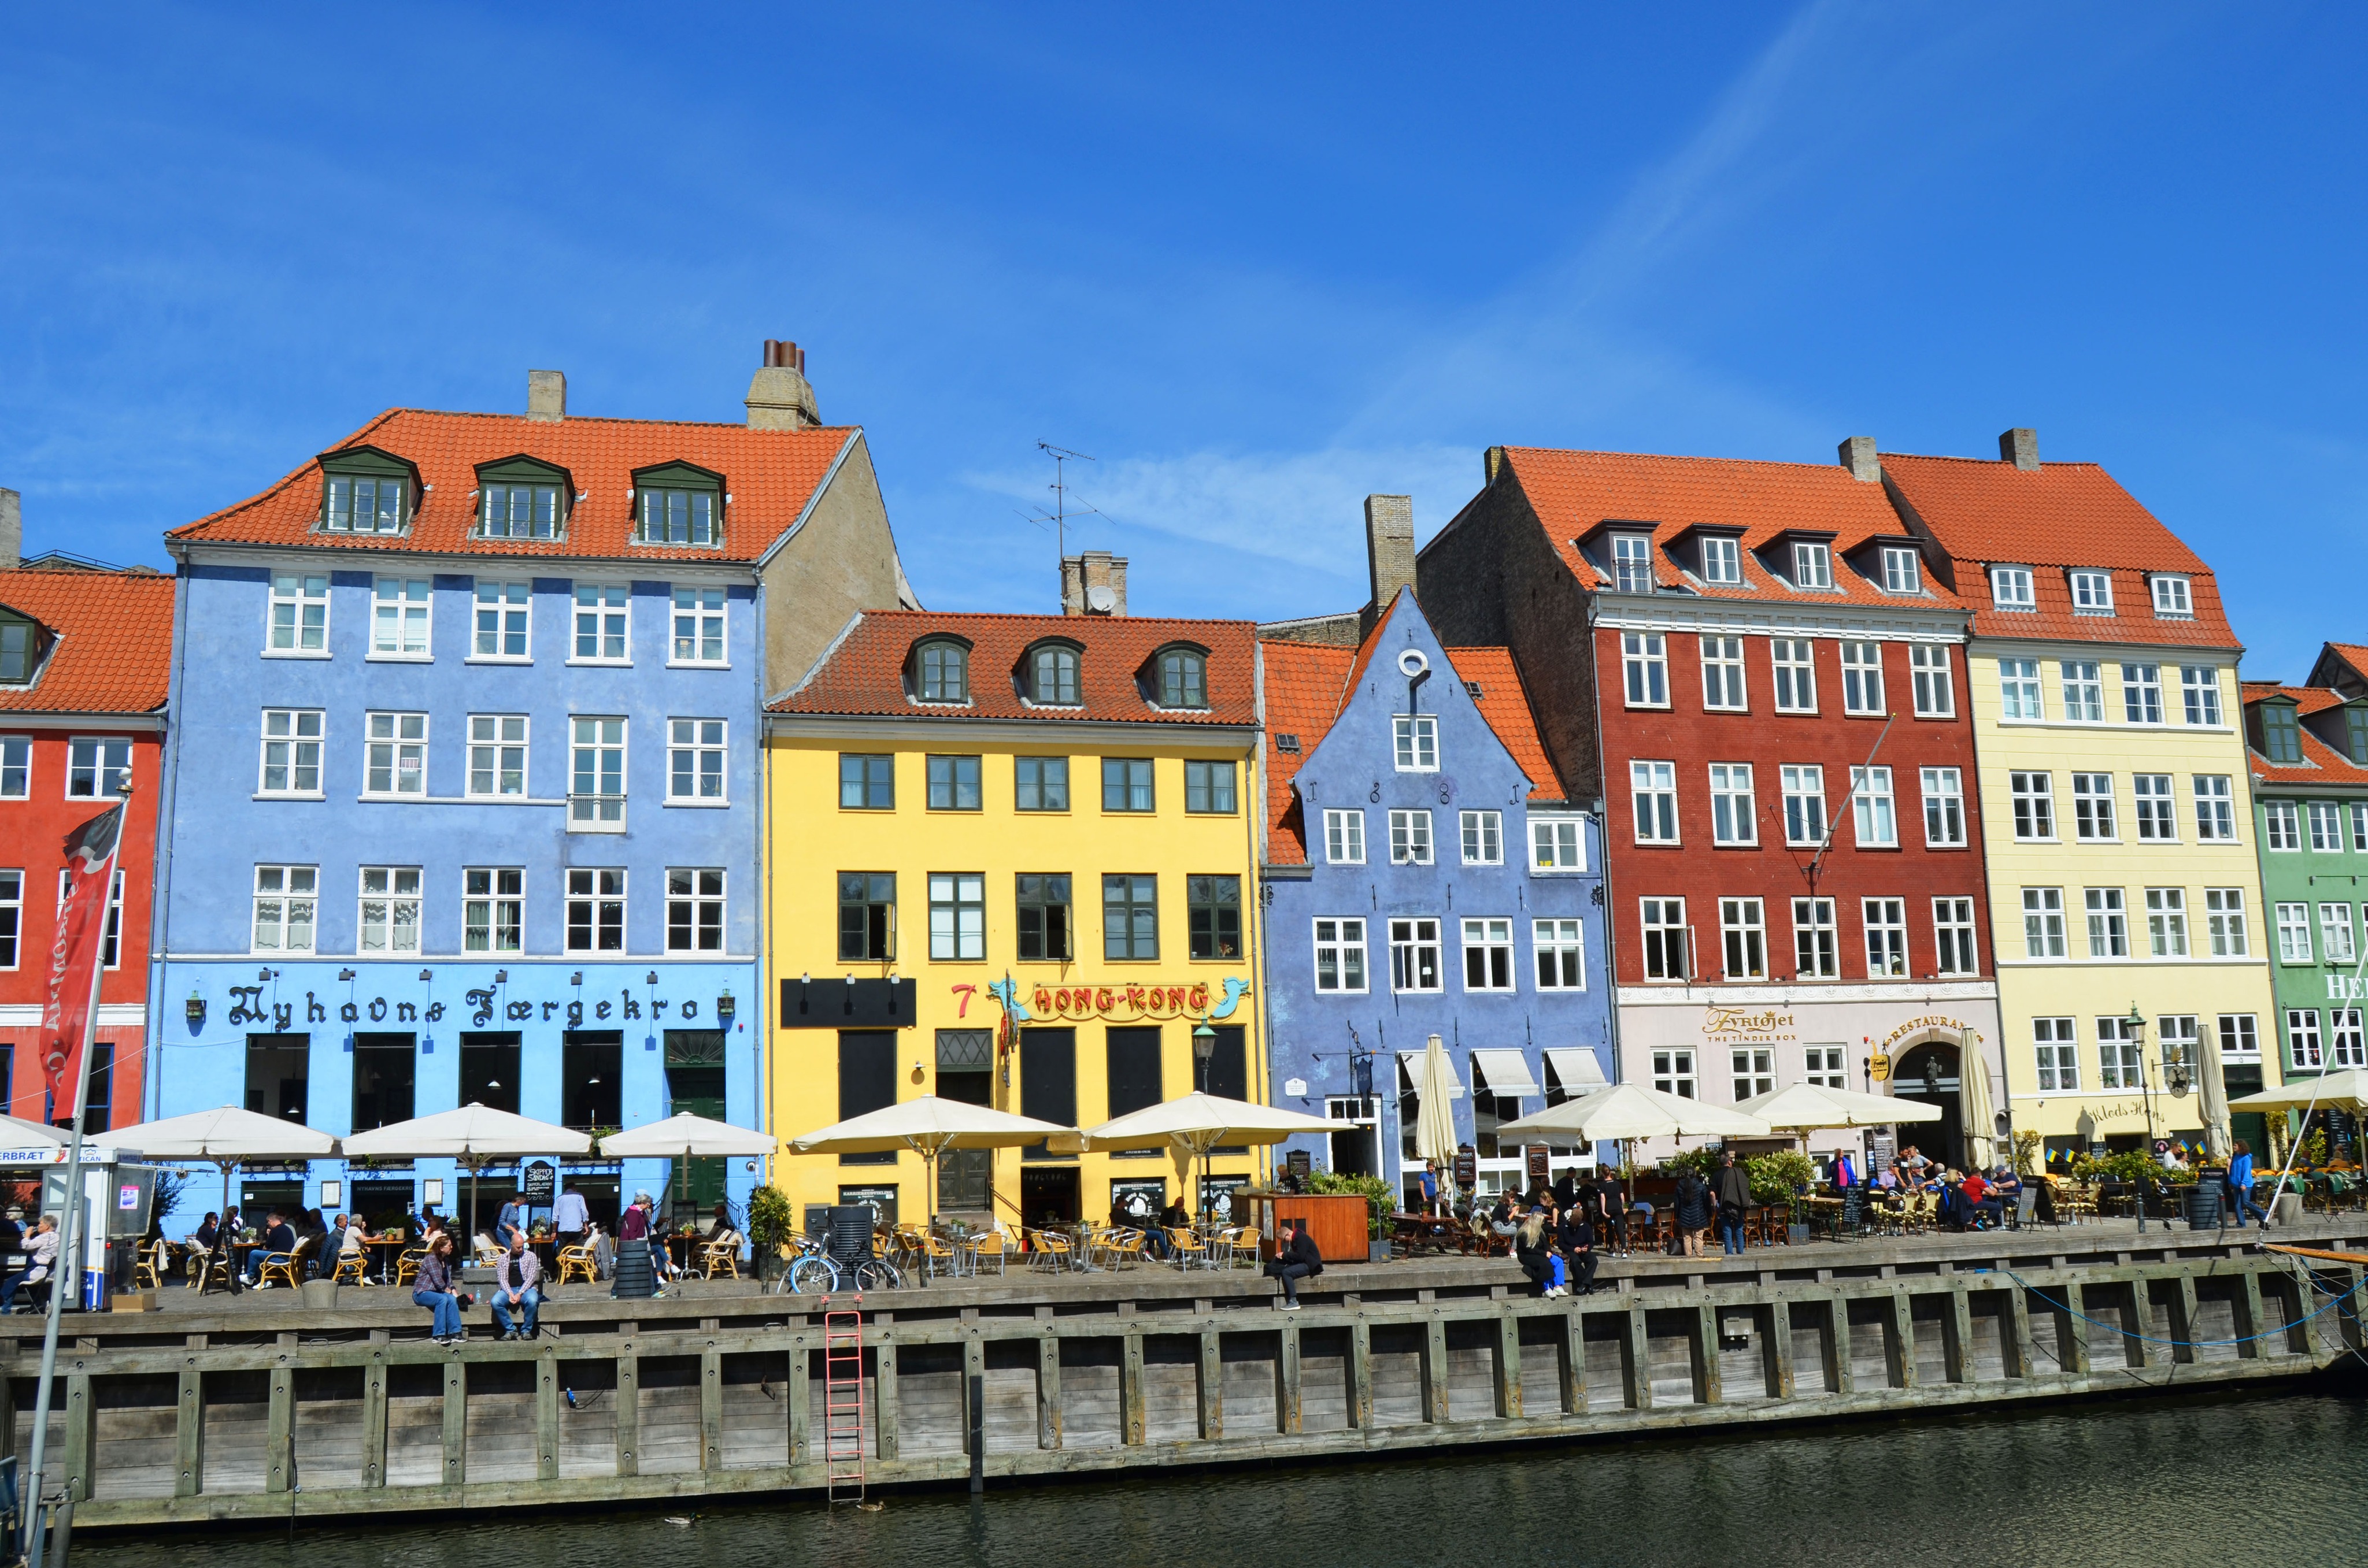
point(1434, 1131)
point(2214, 1087)
point(1973, 1106)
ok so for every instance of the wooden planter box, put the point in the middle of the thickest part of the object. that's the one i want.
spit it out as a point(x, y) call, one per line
point(1338, 1222)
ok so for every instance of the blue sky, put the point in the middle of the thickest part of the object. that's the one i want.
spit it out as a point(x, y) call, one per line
point(1258, 261)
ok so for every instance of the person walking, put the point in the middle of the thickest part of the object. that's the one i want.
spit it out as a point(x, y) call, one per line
point(2240, 1186)
point(517, 1289)
point(1733, 1190)
point(569, 1217)
point(432, 1288)
point(635, 1271)
point(1297, 1257)
point(1694, 1207)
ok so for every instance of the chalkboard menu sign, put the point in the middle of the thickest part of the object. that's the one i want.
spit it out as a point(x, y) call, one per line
point(1300, 1162)
point(1539, 1175)
point(1467, 1167)
point(541, 1185)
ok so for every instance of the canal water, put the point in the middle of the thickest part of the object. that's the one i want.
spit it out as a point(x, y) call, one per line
point(2157, 1480)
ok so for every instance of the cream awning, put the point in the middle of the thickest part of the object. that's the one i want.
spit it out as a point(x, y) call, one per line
point(1574, 1068)
point(1410, 1073)
point(1503, 1073)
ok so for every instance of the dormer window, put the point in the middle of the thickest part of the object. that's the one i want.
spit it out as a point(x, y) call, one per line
point(1722, 560)
point(367, 491)
point(1902, 570)
point(677, 504)
point(2092, 593)
point(1632, 563)
point(2171, 599)
point(1813, 566)
point(2010, 588)
point(944, 672)
point(21, 650)
point(1052, 677)
point(1183, 676)
point(521, 498)
point(2281, 734)
point(2355, 727)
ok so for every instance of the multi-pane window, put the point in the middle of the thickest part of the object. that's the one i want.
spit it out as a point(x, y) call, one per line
point(2199, 687)
point(1862, 678)
point(1721, 559)
point(957, 915)
point(1753, 1069)
point(1561, 950)
point(1341, 955)
point(601, 609)
point(1183, 679)
point(1213, 917)
point(1899, 571)
point(1655, 786)
point(2216, 808)
point(1415, 739)
point(2347, 1043)
point(2294, 944)
point(2119, 1064)
point(390, 909)
point(17, 766)
point(1344, 836)
point(12, 916)
point(1886, 937)
point(97, 767)
point(497, 754)
point(2326, 827)
point(677, 517)
point(2033, 798)
point(2108, 924)
point(1813, 566)
point(1722, 662)
point(1873, 815)
point(1644, 668)
point(1632, 563)
point(2281, 825)
point(1794, 668)
point(2043, 923)
point(2166, 922)
point(292, 751)
point(2170, 596)
point(1663, 923)
point(2359, 814)
point(1208, 788)
point(1824, 1066)
point(954, 783)
point(596, 909)
point(1045, 921)
point(1041, 783)
point(1554, 844)
point(493, 908)
point(2280, 732)
point(694, 909)
point(1127, 784)
point(1410, 837)
point(699, 627)
point(300, 612)
point(1936, 687)
point(695, 749)
point(1952, 936)
point(2223, 919)
point(504, 615)
point(867, 915)
point(1483, 837)
point(396, 754)
point(521, 511)
point(2092, 593)
point(2084, 692)
point(365, 505)
point(1052, 677)
point(2010, 587)
point(399, 618)
point(1803, 787)
point(2335, 935)
point(2092, 806)
point(867, 782)
point(2240, 1039)
point(1816, 952)
point(2019, 690)
point(1733, 816)
point(1130, 917)
point(2158, 814)
point(2302, 1037)
point(1673, 1073)
point(2059, 1055)
point(597, 772)
point(2142, 694)
point(1413, 955)
point(1743, 935)
point(1487, 955)
point(285, 901)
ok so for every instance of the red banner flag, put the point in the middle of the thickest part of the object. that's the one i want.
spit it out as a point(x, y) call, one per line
point(74, 955)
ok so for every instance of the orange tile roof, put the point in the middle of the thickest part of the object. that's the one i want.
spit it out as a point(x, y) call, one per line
point(2057, 515)
point(769, 475)
point(2321, 763)
point(2353, 655)
point(1504, 701)
point(1303, 684)
point(1575, 492)
point(863, 672)
point(114, 648)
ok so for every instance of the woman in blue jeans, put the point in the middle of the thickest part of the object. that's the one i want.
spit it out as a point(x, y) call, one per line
point(2240, 1185)
point(432, 1288)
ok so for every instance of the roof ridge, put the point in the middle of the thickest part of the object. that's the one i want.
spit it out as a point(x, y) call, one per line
point(606, 419)
point(1684, 457)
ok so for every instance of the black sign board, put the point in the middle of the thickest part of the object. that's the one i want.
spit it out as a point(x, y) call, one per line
point(541, 1185)
point(849, 1003)
point(1300, 1162)
point(1467, 1167)
point(1539, 1175)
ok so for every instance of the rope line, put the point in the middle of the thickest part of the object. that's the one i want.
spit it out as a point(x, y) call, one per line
point(2192, 1344)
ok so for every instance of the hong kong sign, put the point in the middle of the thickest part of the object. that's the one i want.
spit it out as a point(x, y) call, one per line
point(1123, 1003)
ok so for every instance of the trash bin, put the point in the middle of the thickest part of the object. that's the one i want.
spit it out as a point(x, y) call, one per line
point(2204, 1209)
point(848, 1240)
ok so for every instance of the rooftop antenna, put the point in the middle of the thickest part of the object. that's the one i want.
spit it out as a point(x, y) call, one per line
point(1060, 514)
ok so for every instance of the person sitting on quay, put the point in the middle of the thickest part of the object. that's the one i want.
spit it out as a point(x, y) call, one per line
point(40, 1258)
point(1575, 1239)
point(2007, 1187)
point(433, 1288)
point(279, 1236)
point(517, 1289)
point(1531, 1250)
point(1297, 1257)
point(1174, 1217)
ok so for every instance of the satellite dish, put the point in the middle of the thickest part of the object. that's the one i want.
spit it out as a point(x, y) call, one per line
point(1413, 662)
point(1099, 599)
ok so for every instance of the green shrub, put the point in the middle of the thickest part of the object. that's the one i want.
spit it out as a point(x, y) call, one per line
point(1776, 1176)
point(772, 1221)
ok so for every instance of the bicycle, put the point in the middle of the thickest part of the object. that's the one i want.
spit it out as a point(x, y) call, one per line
point(812, 1272)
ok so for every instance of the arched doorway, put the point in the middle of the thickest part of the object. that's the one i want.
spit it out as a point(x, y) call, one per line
point(1927, 1073)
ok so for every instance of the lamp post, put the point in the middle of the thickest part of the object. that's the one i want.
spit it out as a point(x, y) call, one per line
point(1205, 1045)
point(2133, 1027)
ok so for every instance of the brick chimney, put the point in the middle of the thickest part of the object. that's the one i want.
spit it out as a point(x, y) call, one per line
point(1858, 456)
point(2019, 448)
point(1093, 584)
point(546, 396)
point(779, 397)
point(1389, 554)
point(11, 531)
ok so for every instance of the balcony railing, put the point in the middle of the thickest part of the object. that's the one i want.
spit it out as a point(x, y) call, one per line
point(596, 814)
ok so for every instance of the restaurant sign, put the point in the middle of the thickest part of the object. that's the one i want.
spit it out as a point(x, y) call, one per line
point(1128, 1002)
point(1746, 1026)
point(1917, 1026)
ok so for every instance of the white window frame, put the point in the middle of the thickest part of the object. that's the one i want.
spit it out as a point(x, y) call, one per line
point(1932, 678)
point(1751, 1070)
point(1558, 953)
point(1803, 782)
point(2347, 1040)
point(1558, 846)
point(1344, 835)
point(2174, 598)
point(1411, 840)
point(957, 917)
point(2056, 1046)
point(1652, 790)
point(2010, 588)
point(1813, 566)
point(2216, 808)
point(96, 757)
point(1825, 1066)
point(1722, 674)
point(411, 604)
point(2121, 1057)
point(2020, 697)
point(577, 609)
point(2223, 919)
point(493, 733)
point(1632, 563)
point(2324, 821)
point(2030, 795)
point(1863, 679)
point(398, 741)
point(1490, 939)
point(2142, 695)
point(2240, 1037)
point(2084, 691)
point(1734, 805)
point(1902, 570)
point(295, 591)
point(1482, 836)
point(2338, 938)
point(286, 894)
point(1413, 739)
point(2297, 937)
point(2303, 1044)
point(1875, 811)
point(2281, 827)
point(1955, 947)
point(2359, 826)
point(2166, 922)
point(17, 768)
point(1673, 1073)
point(700, 615)
point(2043, 924)
point(2108, 922)
point(1793, 664)
point(1721, 559)
point(1342, 938)
point(599, 811)
point(11, 918)
point(2093, 816)
point(594, 895)
point(1885, 924)
point(1661, 922)
point(2092, 592)
point(503, 609)
point(2199, 694)
point(702, 739)
point(1644, 669)
point(1816, 940)
point(390, 900)
point(295, 741)
point(1412, 936)
point(2155, 808)
point(1943, 791)
point(495, 901)
point(1743, 939)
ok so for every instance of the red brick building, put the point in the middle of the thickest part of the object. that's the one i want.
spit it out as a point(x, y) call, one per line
point(85, 653)
point(1754, 672)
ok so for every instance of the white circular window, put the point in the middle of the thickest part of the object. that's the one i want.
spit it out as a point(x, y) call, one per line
point(1413, 662)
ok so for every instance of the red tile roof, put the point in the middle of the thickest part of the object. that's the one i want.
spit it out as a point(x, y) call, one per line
point(2352, 654)
point(2052, 518)
point(769, 475)
point(1575, 492)
point(1504, 701)
point(114, 647)
point(864, 672)
point(1304, 683)
point(2321, 763)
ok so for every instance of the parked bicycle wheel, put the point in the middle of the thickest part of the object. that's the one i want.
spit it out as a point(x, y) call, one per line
point(813, 1273)
point(875, 1274)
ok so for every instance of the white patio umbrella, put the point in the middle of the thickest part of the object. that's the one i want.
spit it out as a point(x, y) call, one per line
point(1629, 1111)
point(1195, 1123)
point(475, 1135)
point(224, 1137)
point(929, 1125)
point(1801, 1108)
point(1434, 1129)
point(686, 1137)
point(2346, 1090)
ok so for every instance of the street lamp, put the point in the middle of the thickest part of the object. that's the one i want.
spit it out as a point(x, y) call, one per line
point(2134, 1032)
point(1205, 1045)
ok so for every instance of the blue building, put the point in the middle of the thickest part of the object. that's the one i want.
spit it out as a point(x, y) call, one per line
point(1424, 876)
point(470, 808)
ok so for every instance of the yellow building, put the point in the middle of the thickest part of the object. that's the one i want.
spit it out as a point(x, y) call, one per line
point(1014, 861)
point(2116, 815)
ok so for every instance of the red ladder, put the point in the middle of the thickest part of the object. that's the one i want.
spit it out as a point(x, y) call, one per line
point(842, 1363)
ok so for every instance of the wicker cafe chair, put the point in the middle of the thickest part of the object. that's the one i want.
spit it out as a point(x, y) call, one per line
point(407, 1264)
point(285, 1268)
point(721, 1260)
point(351, 1270)
point(149, 1273)
point(577, 1262)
